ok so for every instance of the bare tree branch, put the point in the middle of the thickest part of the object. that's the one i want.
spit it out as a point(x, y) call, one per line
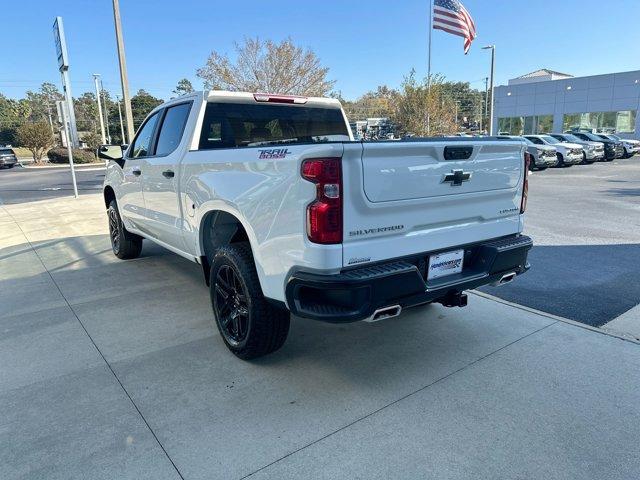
point(266, 66)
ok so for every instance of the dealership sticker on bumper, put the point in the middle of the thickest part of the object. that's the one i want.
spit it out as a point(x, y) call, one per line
point(444, 264)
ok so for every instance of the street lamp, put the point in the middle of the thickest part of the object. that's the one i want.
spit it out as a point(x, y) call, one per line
point(493, 62)
point(96, 77)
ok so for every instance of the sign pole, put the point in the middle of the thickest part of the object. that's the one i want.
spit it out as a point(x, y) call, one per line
point(62, 114)
point(63, 66)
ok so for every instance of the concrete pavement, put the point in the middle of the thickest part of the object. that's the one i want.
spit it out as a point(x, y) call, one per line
point(112, 369)
point(626, 324)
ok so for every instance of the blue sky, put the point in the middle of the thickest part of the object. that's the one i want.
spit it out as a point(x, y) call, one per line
point(365, 44)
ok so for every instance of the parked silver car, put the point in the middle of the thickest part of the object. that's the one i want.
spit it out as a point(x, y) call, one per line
point(544, 156)
point(568, 153)
point(592, 151)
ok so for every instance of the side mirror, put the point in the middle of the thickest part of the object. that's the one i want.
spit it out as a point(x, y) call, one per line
point(114, 153)
point(110, 152)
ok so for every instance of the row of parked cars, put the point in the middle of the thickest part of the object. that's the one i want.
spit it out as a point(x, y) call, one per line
point(571, 148)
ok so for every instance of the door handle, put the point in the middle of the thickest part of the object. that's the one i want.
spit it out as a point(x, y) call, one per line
point(136, 171)
point(168, 173)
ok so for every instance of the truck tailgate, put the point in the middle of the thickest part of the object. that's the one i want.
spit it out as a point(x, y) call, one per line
point(403, 198)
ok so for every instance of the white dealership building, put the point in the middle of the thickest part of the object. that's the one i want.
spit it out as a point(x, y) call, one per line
point(548, 101)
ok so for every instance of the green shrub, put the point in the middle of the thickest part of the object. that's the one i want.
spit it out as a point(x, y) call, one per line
point(60, 155)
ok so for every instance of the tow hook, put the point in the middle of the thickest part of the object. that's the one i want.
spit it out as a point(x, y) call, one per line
point(453, 299)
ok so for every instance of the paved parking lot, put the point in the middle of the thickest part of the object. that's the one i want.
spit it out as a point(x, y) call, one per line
point(585, 224)
point(114, 369)
point(18, 185)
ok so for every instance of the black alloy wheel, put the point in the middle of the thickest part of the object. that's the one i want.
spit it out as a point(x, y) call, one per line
point(125, 245)
point(249, 324)
point(230, 305)
point(114, 230)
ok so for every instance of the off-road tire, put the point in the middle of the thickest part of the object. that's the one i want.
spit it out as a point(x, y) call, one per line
point(125, 245)
point(267, 325)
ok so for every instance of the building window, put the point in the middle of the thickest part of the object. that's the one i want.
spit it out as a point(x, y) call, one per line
point(525, 125)
point(511, 126)
point(544, 124)
point(618, 122)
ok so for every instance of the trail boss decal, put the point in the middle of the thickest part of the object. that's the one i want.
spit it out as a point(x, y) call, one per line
point(273, 153)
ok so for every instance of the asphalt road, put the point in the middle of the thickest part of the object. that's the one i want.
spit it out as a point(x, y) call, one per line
point(18, 185)
point(585, 224)
point(584, 220)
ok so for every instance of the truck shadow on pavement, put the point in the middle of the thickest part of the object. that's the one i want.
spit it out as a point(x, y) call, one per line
point(592, 284)
point(625, 192)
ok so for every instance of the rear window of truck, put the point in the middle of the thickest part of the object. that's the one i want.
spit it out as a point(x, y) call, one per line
point(231, 125)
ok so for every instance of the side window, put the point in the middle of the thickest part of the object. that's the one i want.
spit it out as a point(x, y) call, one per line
point(535, 140)
point(172, 128)
point(216, 130)
point(142, 143)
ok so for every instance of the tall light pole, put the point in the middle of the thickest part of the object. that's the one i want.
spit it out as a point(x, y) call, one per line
point(493, 63)
point(486, 99)
point(122, 140)
point(95, 79)
point(106, 112)
point(123, 71)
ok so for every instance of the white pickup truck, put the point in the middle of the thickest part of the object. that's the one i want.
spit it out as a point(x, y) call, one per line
point(286, 213)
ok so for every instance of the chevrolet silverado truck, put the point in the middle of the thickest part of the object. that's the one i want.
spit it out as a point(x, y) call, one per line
point(287, 214)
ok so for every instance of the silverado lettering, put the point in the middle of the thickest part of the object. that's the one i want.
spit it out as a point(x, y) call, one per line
point(369, 231)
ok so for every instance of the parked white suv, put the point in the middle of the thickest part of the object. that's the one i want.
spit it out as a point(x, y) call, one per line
point(591, 151)
point(631, 147)
point(568, 153)
point(286, 213)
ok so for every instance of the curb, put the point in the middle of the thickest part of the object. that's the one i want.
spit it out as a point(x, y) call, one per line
point(609, 333)
point(66, 165)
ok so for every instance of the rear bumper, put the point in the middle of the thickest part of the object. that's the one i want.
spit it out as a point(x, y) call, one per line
point(355, 294)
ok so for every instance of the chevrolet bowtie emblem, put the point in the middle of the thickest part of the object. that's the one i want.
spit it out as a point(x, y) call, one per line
point(456, 177)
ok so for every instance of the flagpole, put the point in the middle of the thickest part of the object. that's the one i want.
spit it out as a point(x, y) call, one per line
point(429, 67)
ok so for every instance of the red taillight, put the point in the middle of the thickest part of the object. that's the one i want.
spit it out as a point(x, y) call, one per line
point(267, 97)
point(525, 185)
point(324, 214)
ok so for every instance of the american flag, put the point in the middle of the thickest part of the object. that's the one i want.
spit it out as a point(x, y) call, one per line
point(452, 17)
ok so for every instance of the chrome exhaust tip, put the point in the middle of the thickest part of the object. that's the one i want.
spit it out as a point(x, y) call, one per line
point(383, 313)
point(506, 278)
